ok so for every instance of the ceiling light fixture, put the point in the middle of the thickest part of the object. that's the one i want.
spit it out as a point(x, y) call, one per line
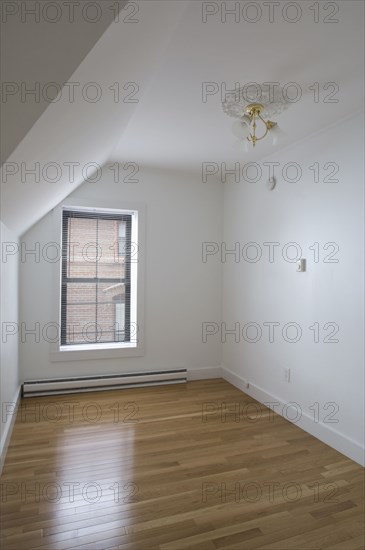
point(253, 114)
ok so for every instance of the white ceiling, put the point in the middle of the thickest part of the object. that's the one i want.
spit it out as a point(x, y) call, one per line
point(172, 125)
point(170, 53)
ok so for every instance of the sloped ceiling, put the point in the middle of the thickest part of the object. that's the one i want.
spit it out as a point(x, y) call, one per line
point(37, 50)
point(72, 137)
point(169, 55)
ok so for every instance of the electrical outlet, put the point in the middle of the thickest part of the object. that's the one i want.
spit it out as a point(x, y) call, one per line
point(287, 375)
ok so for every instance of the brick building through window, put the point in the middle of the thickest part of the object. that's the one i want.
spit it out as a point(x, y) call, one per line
point(96, 277)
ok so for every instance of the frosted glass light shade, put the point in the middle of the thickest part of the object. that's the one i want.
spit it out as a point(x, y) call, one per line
point(241, 128)
point(277, 135)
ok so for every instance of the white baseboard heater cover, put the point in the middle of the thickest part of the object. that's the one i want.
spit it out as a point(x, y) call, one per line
point(32, 388)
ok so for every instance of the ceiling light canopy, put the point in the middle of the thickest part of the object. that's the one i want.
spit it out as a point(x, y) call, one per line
point(252, 112)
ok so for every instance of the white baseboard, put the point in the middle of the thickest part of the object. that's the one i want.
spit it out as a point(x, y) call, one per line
point(204, 373)
point(321, 431)
point(9, 424)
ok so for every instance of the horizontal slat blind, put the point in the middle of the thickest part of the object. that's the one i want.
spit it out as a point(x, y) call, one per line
point(96, 277)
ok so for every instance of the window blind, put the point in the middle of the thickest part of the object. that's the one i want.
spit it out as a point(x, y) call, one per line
point(96, 277)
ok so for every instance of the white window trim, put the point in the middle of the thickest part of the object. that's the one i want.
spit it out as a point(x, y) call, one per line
point(83, 352)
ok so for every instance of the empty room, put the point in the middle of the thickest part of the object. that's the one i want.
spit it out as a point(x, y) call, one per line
point(182, 267)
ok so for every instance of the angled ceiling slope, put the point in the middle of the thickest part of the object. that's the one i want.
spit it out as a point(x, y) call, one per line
point(26, 64)
point(72, 140)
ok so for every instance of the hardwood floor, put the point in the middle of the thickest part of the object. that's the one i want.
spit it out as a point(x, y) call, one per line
point(165, 468)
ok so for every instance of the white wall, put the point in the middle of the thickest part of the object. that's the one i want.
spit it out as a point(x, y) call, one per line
point(303, 212)
point(180, 291)
point(8, 344)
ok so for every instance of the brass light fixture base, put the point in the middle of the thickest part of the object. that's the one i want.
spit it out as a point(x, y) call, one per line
point(254, 111)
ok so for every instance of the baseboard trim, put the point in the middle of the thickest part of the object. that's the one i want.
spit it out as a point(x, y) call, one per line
point(204, 373)
point(321, 431)
point(9, 425)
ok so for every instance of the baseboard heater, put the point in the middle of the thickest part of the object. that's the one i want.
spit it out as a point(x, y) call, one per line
point(58, 386)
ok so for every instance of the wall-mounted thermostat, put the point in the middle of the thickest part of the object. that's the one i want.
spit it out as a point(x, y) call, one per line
point(301, 264)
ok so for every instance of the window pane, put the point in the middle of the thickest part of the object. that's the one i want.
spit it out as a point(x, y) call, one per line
point(120, 321)
point(95, 279)
point(110, 263)
point(80, 310)
point(82, 250)
point(122, 238)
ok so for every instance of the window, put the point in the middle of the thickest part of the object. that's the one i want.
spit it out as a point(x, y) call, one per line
point(98, 283)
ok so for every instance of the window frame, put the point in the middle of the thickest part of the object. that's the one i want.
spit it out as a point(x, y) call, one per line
point(65, 279)
point(76, 352)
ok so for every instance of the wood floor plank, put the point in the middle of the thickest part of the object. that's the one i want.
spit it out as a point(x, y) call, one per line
point(196, 466)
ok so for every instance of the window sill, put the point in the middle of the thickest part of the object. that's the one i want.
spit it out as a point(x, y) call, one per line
point(95, 351)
